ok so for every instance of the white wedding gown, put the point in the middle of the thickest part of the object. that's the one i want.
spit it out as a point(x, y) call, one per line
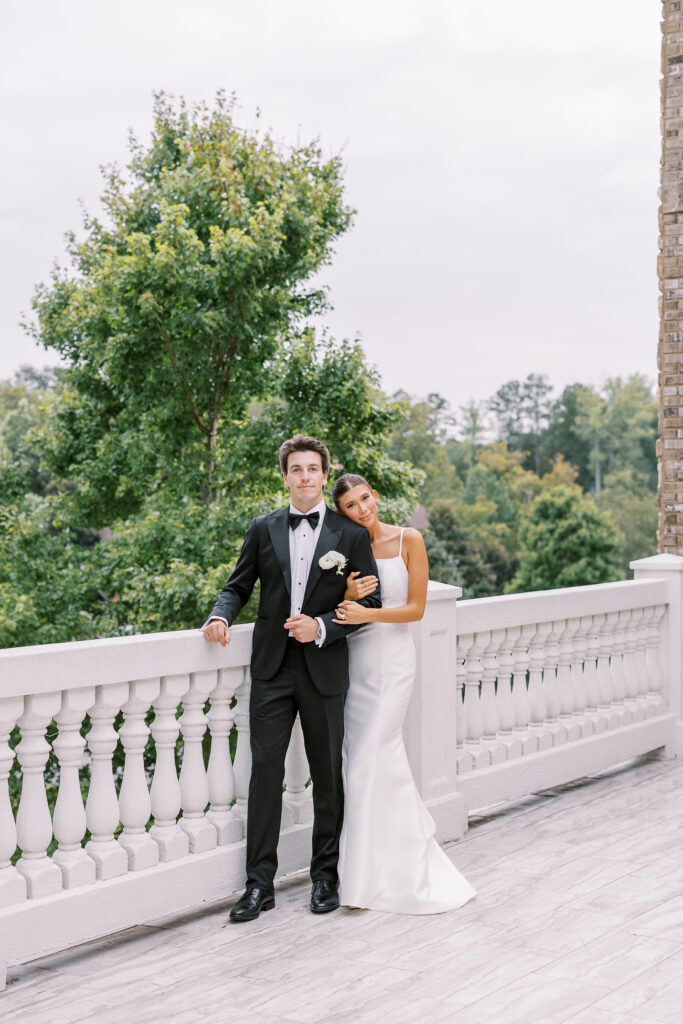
point(388, 857)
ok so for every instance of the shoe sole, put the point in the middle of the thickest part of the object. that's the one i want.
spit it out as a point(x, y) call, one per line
point(266, 905)
point(324, 910)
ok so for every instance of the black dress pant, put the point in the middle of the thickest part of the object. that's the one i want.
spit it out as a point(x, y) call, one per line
point(272, 712)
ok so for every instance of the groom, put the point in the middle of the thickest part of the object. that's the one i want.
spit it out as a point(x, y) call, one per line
point(299, 663)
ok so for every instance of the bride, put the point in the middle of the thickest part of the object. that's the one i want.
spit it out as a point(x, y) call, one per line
point(388, 858)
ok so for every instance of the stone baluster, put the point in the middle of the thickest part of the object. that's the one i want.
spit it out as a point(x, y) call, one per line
point(506, 707)
point(642, 671)
point(597, 720)
point(579, 675)
point(69, 816)
point(464, 761)
point(102, 805)
point(242, 763)
point(551, 687)
point(632, 620)
point(474, 717)
point(194, 784)
point(229, 827)
point(34, 824)
point(605, 678)
point(567, 683)
point(521, 637)
point(617, 669)
point(12, 882)
point(297, 805)
point(135, 805)
point(654, 660)
point(537, 695)
point(165, 791)
point(489, 643)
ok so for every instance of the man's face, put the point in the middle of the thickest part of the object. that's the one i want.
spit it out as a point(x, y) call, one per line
point(305, 479)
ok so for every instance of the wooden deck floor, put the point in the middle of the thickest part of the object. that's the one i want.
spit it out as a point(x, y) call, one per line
point(579, 917)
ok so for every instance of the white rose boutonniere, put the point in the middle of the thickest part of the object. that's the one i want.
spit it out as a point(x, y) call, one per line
point(333, 560)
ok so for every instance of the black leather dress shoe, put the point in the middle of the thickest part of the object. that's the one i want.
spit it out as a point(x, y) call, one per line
point(324, 897)
point(250, 905)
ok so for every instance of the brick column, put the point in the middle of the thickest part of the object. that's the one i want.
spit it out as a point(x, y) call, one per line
point(670, 268)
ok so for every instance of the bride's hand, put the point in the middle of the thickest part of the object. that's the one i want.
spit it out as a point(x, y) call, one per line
point(350, 613)
point(358, 586)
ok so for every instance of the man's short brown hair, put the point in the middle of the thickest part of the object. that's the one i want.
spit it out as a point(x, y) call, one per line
point(303, 443)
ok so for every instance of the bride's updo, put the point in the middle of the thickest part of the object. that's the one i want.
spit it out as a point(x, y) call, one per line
point(345, 483)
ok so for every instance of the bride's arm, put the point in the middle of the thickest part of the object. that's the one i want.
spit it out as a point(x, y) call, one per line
point(418, 578)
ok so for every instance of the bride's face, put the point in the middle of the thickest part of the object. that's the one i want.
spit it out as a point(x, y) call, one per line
point(360, 504)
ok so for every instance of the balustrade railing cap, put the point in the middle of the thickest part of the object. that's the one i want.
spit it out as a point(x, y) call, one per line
point(659, 563)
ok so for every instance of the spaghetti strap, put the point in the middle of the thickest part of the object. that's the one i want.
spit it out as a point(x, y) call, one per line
point(400, 543)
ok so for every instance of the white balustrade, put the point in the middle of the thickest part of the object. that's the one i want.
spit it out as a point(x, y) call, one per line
point(34, 823)
point(135, 805)
point(229, 826)
point(69, 821)
point(165, 795)
point(597, 693)
point(102, 805)
point(194, 783)
point(12, 882)
point(297, 806)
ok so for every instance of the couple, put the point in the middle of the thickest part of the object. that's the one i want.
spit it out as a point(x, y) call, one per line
point(319, 584)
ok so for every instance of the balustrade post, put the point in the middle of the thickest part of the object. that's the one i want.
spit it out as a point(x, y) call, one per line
point(618, 668)
point(135, 805)
point(642, 670)
point(34, 823)
point(297, 803)
point(463, 757)
point(632, 621)
point(12, 882)
point(522, 636)
point(538, 704)
point(474, 718)
point(578, 675)
point(165, 790)
point(551, 688)
point(654, 659)
point(69, 820)
point(490, 642)
point(194, 783)
point(590, 672)
point(242, 763)
point(607, 702)
point(229, 827)
point(566, 685)
point(102, 805)
point(670, 695)
point(506, 707)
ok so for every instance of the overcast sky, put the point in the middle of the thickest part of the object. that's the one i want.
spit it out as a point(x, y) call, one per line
point(503, 158)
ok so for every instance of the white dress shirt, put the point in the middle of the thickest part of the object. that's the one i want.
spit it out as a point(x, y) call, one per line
point(302, 542)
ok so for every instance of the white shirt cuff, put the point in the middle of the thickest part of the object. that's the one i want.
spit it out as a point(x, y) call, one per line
point(215, 618)
point(320, 640)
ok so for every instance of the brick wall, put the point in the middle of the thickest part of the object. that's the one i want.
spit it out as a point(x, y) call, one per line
point(670, 267)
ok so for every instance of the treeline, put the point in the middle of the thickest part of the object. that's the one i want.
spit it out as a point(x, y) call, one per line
point(528, 492)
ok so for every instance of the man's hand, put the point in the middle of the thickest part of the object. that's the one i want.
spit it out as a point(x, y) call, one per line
point(216, 632)
point(304, 628)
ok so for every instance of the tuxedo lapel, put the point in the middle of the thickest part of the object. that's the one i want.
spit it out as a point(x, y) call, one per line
point(327, 541)
point(278, 528)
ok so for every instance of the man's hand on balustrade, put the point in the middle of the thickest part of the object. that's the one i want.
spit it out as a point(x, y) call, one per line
point(216, 632)
point(358, 586)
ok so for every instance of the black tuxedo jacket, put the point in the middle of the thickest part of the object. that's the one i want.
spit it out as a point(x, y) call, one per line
point(265, 557)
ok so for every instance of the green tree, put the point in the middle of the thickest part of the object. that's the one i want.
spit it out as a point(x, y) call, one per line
point(632, 506)
point(419, 437)
point(566, 542)
point(522, 410)
point(176, 304)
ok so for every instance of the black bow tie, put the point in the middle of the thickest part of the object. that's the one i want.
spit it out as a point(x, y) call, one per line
point(312, 519)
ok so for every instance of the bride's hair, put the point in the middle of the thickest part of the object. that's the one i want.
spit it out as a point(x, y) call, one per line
point(345, 483)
